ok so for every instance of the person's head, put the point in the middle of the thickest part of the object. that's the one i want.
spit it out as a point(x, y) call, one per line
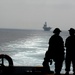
point(71, 31)
point(57, 31)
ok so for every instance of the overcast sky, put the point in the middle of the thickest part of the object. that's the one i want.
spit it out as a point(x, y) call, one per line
point(31, 14)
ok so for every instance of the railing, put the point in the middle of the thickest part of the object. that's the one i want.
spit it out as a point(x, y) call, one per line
point(18, 70)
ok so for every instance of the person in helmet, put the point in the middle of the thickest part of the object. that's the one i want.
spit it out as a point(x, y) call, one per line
point(56, 49)
point(70, 53)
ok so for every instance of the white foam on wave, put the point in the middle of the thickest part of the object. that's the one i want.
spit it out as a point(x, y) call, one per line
point(22, 59)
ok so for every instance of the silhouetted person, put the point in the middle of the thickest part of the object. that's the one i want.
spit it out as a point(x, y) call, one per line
point(56, 47)
point(47, 61)
point(70, 51)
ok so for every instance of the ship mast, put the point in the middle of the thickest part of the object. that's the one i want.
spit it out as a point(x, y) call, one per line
point(45, 25)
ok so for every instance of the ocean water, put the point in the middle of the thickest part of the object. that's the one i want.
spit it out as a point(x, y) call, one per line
point(27, 47)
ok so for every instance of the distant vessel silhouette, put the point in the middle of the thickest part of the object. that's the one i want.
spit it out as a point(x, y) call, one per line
point(46, 28)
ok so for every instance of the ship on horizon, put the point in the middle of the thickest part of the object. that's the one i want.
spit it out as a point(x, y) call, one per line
point(46, 28)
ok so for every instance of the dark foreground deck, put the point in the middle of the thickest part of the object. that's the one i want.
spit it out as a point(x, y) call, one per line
point(23, 70)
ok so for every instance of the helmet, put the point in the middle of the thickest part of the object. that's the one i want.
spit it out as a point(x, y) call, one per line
point(56, 30)
point(71, 30)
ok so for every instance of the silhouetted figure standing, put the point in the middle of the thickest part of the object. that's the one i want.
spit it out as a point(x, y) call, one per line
point(55, 52)
point(56, 47)
point(70, 51)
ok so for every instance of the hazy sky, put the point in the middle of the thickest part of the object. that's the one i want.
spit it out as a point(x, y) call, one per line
point(31, 14)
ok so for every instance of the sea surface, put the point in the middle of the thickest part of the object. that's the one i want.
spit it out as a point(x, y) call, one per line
point(27, 47)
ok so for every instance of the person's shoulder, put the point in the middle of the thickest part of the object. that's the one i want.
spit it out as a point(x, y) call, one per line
point(52, 36)
point(60, 37)
point(68, 37)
